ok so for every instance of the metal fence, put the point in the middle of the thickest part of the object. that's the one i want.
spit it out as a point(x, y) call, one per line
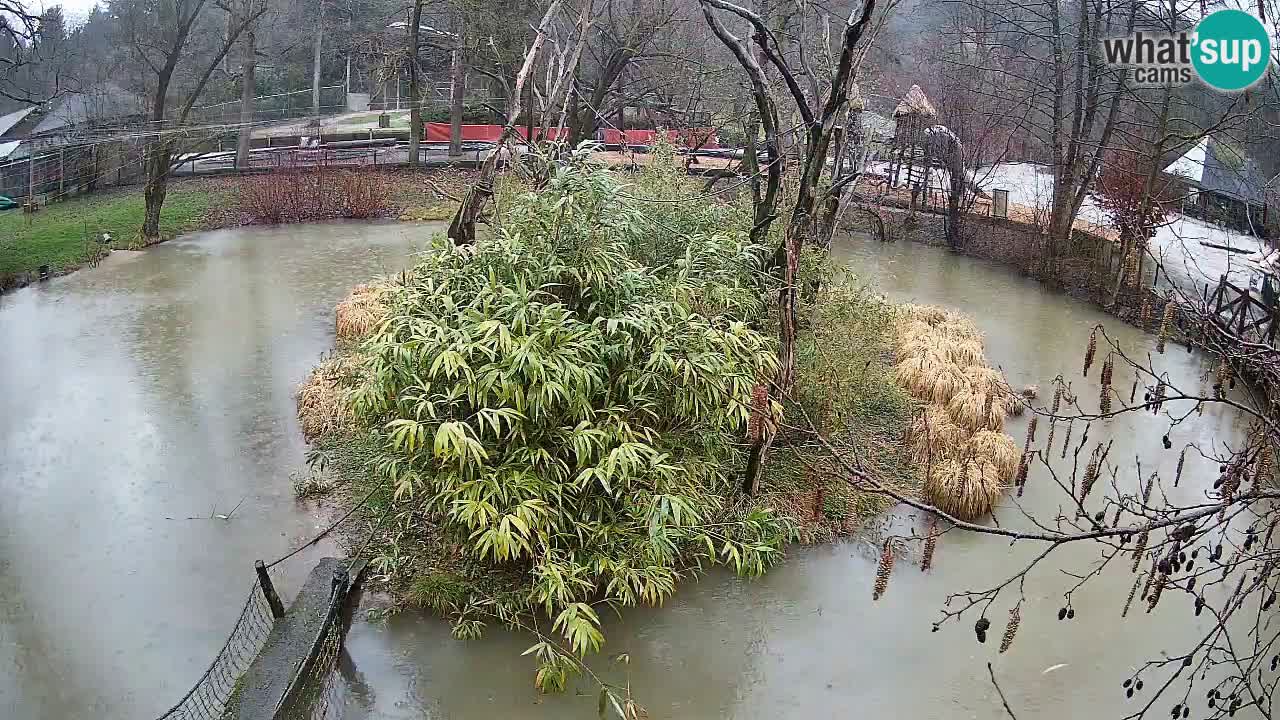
point(280, 106)
point(53, 173)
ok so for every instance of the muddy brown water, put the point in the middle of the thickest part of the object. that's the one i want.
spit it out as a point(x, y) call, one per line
point(137, 399)
point(159, 387)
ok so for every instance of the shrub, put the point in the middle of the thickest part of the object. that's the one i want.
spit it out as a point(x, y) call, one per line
point(311, 195)
point(572, 412)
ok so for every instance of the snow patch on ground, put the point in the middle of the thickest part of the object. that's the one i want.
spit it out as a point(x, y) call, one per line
point(1187, 263)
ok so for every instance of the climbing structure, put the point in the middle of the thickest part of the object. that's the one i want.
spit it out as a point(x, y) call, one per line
point(913, 114)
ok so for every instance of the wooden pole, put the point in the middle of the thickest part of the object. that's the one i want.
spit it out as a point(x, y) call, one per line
point(62, 172)
point(269, 590)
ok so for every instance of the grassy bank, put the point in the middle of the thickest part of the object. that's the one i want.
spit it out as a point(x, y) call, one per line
point(60, 235)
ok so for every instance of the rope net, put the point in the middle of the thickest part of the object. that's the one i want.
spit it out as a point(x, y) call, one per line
point(214, 693)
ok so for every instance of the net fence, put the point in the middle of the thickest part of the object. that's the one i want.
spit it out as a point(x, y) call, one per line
point(321, 691)
point(213, 695)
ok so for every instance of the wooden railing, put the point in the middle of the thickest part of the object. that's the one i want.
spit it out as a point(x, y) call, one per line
point(1238, 312)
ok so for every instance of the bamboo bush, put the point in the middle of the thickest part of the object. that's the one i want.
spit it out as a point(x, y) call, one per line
point(571, 414)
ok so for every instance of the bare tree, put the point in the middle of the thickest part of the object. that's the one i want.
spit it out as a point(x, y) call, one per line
point(159, 37)
point(462, 229)
point(19, 30)
point(415, 86)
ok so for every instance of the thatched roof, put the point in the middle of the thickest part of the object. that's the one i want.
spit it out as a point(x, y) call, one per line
point(915, 103)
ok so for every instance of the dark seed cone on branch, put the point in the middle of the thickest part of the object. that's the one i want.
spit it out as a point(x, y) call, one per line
point(1166, 324)
point(1138, 549)
point(883, 571)
point(1011, 630)
point(1090, 350)
point(930, 545)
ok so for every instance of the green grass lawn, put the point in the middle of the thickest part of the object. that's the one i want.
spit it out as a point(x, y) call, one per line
point(57, 234)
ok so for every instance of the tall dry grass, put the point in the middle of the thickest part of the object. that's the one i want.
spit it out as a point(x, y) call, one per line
point(322, 398)
point(360, 313)
point(957, 436)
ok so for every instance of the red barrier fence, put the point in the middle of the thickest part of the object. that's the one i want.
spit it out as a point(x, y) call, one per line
point(701, 138)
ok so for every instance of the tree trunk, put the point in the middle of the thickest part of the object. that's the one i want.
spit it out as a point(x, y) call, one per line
point(317, 46)
point(154, 192)
point(248, 87)
point(457, 93)
point(415, 92)
point(462, 230)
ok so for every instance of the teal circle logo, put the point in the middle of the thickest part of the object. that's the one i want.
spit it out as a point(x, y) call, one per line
point(1232, 50)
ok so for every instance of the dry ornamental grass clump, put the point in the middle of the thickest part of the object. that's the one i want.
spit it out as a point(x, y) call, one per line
point(964, 488)
point(357, 316)
point(997, 447)
point(322, 398)
point(966, 460)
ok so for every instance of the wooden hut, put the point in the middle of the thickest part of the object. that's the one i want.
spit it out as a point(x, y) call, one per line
point(912, 116)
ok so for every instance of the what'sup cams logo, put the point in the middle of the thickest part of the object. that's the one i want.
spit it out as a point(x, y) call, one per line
point(1228, 50)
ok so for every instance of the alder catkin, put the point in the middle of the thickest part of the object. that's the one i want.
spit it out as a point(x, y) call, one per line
point(883, 571)
point(1091, 473)
point(1104, 398)
point(1031, 431)
point(1066, 443)
point(1182, 459)
point(930, 544)
point(1139, 548)
point(1132, 591)
point(1011, 630)
point(1166, 323)
point(1154, 598)
point(1090, 350)
point(1146, 492)
point(1144, 316)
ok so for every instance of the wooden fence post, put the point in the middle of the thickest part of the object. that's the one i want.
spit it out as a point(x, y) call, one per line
point(62, 172)
point(269, 590)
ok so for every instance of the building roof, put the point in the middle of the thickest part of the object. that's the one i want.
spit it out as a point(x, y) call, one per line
point(915, 103)
point(1217, 167)
point(7, 148)
point(8, 121)
point(98, 103)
